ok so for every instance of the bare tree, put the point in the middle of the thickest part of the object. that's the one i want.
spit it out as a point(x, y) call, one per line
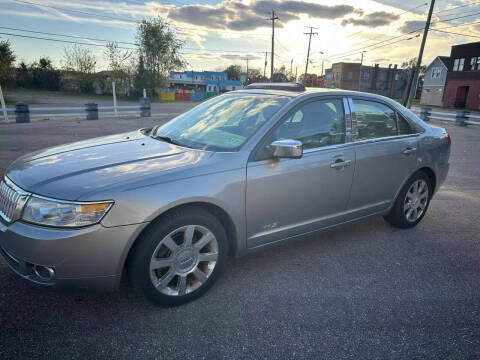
point(122, 65)
point(79, 59)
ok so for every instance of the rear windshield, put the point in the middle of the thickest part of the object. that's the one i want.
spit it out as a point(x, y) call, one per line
point(223, 123)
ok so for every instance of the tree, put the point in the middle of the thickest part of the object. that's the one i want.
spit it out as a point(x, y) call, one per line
point(143, 80)
point(410, 64)
point(160, 49)
point(233, 72)
point(121, 65)
point(81, 61)
point(7, 58)
point(254, 76)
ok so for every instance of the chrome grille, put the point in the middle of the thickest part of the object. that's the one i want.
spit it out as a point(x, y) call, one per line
point(12, 199)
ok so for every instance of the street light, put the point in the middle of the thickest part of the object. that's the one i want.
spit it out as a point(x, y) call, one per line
point(360, 72)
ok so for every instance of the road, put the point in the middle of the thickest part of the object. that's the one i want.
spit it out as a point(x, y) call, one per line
point(363, 291)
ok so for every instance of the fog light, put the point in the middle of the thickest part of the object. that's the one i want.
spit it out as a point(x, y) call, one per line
point(44, 272)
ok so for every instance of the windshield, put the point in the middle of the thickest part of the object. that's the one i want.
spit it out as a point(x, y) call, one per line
point(223, 123)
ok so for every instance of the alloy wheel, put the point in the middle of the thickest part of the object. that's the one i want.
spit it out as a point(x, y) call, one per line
point(416, 200)
point(183, 260)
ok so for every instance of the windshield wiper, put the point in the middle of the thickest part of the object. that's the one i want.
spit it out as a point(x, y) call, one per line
point(167, 139)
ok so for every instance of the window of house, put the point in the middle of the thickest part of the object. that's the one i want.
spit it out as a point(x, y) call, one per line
point(316, 124)
point(475, 63)
point(397, 76)
point(374, 120)
point(365, 75)
point(458, 64)
point(436, 72)
point(349, 75)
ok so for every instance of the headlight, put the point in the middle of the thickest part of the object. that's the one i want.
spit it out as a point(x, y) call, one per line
point(63, 213)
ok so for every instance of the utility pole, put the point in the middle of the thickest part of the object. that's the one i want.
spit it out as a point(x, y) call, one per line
point(273, 18)
point(296, 68)
point(308, 51)
point(360, 71)
point(246, 58)
point(413, 89)
point(291, 64)
point(265, 67)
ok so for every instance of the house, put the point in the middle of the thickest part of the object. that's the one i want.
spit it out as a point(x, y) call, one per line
point(462, 86)
point(434, 82)
point(203, 81)
point(390, 81)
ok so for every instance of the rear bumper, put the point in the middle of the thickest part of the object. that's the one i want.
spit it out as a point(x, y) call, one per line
point(89, 258)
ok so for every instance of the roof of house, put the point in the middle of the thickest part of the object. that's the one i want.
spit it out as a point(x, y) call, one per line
point(444, 60)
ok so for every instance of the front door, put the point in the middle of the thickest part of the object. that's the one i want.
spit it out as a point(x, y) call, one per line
point(288, 197)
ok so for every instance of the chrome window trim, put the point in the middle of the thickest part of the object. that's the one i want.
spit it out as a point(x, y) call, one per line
point(328, 147)
point(366, 141)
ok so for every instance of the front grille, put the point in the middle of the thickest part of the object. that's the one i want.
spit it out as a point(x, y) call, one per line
point(12, 200)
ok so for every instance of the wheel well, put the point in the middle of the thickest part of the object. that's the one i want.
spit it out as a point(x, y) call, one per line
point(431, 175)
point(215, 210)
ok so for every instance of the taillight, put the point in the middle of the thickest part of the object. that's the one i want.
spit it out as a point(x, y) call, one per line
point(448, 138)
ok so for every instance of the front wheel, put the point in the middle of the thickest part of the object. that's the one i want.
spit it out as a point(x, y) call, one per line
point(412, 202)
point(179, 257)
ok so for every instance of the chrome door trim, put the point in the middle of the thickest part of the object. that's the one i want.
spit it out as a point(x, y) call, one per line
point(367, 141)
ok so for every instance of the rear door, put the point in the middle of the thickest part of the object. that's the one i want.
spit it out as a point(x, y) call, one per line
point(288, 197)
point(386, 154)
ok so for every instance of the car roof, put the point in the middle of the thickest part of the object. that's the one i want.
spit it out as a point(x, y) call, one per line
point(311, 91)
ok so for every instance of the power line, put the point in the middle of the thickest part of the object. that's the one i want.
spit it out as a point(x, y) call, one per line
point(455, 33)
point(111, 41)
point(456, 7)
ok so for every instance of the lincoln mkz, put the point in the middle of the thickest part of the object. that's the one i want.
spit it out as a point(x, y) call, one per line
point(169, 205)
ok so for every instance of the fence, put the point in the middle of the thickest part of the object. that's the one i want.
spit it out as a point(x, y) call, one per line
point(23, 113)
point(460, 117)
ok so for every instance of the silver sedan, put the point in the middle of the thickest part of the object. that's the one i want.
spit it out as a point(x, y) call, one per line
point(239, 172)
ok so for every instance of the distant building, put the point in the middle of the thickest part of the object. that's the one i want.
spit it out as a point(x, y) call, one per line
point(462, 87)
point(243, 77)
point(390, 81)
point(206, 81)
point(434, 82)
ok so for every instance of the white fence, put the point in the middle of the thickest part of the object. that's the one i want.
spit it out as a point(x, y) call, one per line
point(460, 117)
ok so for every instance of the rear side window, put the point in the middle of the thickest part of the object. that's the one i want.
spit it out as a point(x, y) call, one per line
point(374, 120)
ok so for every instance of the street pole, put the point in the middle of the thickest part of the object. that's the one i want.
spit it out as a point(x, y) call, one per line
point(291, 65)
point(308, 52)
point(360, 71)
point(322, 65)
point(296, 68)
point(273, 18)
point(413, 89)
point(4, 108)
point(114, 97)
point(265, 67)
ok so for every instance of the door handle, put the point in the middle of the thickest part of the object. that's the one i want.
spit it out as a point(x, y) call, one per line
point(339, 163)
point(409, 150)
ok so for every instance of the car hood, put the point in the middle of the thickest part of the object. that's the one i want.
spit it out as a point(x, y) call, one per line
point(71, 171)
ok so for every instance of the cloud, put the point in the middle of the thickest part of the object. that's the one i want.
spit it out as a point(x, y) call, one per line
point(375, 19)
point(237, 16)
point(410, 26)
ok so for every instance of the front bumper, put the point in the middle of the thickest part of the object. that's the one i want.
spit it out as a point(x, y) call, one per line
point(88, 258)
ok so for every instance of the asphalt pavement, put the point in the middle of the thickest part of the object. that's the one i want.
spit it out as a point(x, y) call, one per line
point(365, 291)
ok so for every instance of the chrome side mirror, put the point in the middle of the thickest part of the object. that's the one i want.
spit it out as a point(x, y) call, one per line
point(287, 149)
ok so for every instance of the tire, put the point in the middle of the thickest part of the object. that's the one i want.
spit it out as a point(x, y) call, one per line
point(417, 202)
point(179, 257)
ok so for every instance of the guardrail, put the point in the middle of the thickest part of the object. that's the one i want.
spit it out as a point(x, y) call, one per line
point(460, 117)
point(23, 113)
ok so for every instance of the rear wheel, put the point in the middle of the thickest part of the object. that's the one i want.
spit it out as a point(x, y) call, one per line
point(179, 257)
point(412, 202)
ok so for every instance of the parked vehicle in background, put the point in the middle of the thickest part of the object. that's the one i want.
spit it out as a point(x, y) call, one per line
point(236, 173)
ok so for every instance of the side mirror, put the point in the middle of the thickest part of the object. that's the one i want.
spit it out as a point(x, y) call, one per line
point(287, 149)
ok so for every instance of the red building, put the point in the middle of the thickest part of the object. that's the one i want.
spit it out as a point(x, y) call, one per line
point(462, 87)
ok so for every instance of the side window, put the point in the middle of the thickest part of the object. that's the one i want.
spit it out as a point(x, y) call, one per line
point(374, 120)
point(316, 124)
point(404, 128)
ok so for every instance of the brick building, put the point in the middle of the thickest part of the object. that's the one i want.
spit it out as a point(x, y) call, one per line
point(462, 87)
point(390, 81)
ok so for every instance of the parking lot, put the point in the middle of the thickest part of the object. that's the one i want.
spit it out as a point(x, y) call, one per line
point(364, 291)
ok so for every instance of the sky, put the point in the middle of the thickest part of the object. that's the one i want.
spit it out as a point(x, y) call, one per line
point(218, 33)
